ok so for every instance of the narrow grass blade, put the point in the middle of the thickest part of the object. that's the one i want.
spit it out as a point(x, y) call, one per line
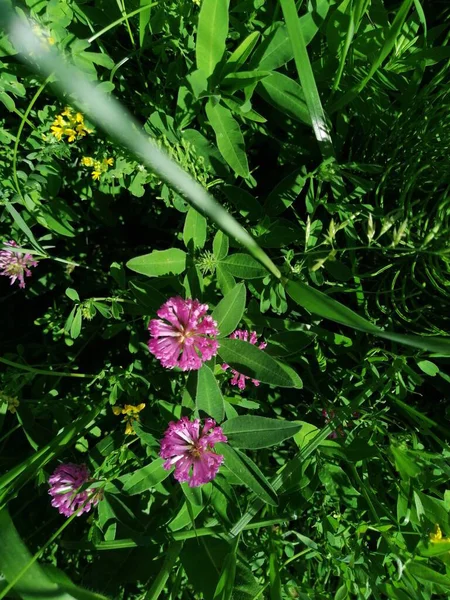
point(158, 585)
point(389, 42)
point(307, 79)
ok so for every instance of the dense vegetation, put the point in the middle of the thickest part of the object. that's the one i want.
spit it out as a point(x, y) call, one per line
point(224, 342)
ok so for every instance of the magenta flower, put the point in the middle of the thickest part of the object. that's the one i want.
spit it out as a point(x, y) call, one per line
point(65, 483)
point(186, 336)
point(190, 451)
point(238, 378)
point(15, 265)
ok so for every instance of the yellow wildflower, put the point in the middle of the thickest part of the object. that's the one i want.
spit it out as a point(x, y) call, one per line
point(96, 175)
point(108, 161)
point(51, 41)
point(71, 134)
point(437, 537)
point(87, 161)
point(131, 413)
point(72, 126)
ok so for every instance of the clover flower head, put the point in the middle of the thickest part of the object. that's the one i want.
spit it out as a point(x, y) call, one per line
point(190, 450)
point(65, 482)
point(16, 265)
point(247, 336)
point(184, 336)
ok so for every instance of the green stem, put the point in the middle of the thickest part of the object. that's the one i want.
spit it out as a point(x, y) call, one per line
point(119, 21)
point(19, 133)
point(10, 363)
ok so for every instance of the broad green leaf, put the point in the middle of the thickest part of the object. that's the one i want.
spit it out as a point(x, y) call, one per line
point(285, 193)
point(247, 472)
point(320, 304)
point(426, 575)
point(242, 52)
point(247, 205)
point(428, 367)
point(159, 262)
point(243, 79)
point(229, 138)
point(212, 33)
point(286, 95)
point(243, 266)
point(209, 398)
point(225, 279)
point(230, 309)
point(404, 463)
point(254, 432)
point(220, 245)
point(257, 364)
point(144, 479)
point(194, 229)
point(148, 296)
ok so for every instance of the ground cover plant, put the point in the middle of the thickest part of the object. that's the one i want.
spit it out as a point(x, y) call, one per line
point(224, 281)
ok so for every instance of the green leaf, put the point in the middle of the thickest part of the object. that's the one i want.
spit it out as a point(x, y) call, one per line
point(258, 432)
point(194, 229)
point(257, 364)
point(286, 95)
point(424, 574)
point(243, 266)
point(404, 463)
point(247, 472)
point(320, 304)
point(230, 309)
point(428, 367)
point(144, 479)
point(159, 262)
point(220, 245)
point(72, 294)
point(247, 205)
point(285, 193)
point(243, 79)
point(229, 138)
point(149, 297)
point(225, 280)
point(209, 398)
point(212, 33)
point(35, 583)
point(242, 52)
point(144, 20)
point(75, 328)
point(225, 585)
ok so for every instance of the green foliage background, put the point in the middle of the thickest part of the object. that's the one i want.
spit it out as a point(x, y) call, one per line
point(319, 131)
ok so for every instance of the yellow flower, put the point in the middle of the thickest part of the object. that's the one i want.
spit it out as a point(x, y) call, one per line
point(131, 413)
point(87, 161)
point(96, 175)
point(108, 161)
point(436, 537)
point(67, 112)
point(79, 118)
point(51, 40)
point(71, 134)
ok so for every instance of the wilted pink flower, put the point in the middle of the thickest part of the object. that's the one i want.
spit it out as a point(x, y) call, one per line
point(238, 378)
point(190, 450)
point(65, 483)
point(15, 265)
point(186, 338)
